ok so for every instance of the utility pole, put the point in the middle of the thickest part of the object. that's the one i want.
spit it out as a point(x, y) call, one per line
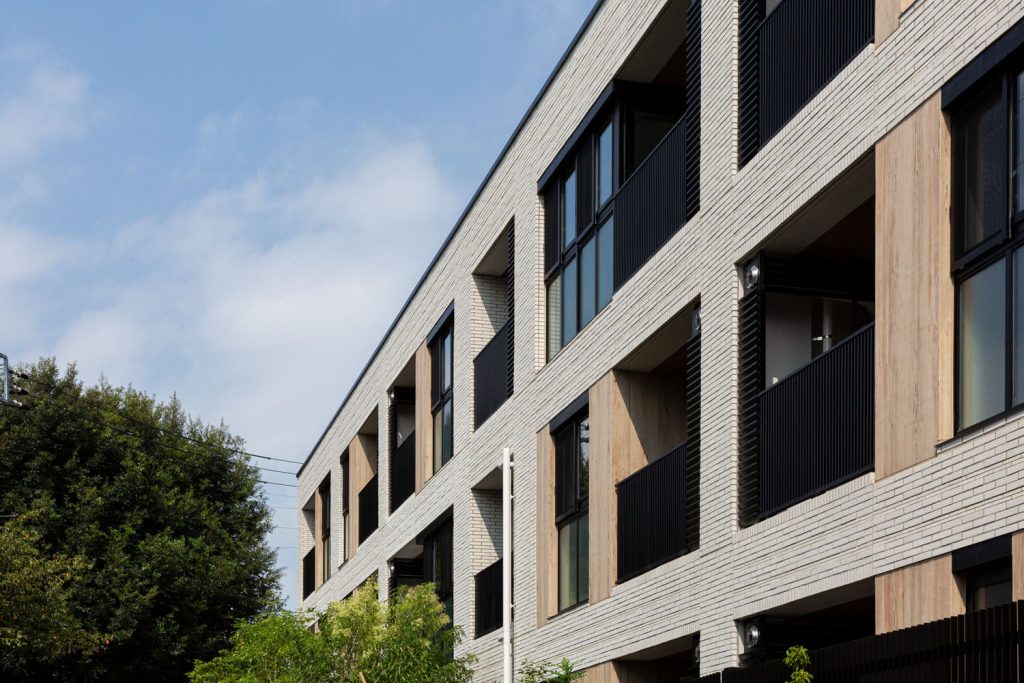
point(8, 388)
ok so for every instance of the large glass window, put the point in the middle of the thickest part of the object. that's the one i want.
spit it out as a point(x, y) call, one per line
point(989, 270)
point(441, 360)
point(572, 486)
point(580, 243)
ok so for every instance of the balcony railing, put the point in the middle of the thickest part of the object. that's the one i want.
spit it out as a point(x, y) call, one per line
point(817, 424)
point(981, 646)
point(488, 599)
point(309, 573)
point(368, 509)
point(790, 55)
point(403, 471)
point(652, 515)
point(491, 376)
point(651, 205)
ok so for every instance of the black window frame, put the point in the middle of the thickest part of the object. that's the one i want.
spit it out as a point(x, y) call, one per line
point(439, 562)
point(440, 397)
point(591, 216)
point(1002, 246)
point(324, 491)
point(345, 531)
point(577, 506)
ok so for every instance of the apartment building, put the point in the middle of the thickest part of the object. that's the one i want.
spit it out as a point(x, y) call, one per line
point(740, 302)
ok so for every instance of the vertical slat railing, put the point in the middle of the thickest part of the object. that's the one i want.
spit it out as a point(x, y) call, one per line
point(488, 599)
point(368, 510)
point(491, 375)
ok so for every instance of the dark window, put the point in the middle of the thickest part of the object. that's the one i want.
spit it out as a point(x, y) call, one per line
point(572, 484)
point(441, 388)
point(345, 531)
point(438, 564)
point(988, 242)
point(579, 269)
point(989, 586)
point(325, 526)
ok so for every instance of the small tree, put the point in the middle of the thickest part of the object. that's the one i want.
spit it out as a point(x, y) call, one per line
point(546, 672)
point(798, 660)
point(408, 639)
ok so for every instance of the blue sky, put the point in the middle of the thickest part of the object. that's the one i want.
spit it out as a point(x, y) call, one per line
point(231, 200)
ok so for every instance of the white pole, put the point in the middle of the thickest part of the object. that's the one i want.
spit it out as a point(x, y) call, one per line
point(506, 563)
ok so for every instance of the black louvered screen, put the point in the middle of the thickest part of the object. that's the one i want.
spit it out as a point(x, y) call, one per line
point(309, 573)
point(651, 205)
point(751, 382)
point(490, 376)
point(488, 599)
point(652, 515)
point(403, 472)
point(368, 510)
point(751, 14)
point(510, 293)
point(693, 443)
point(692, 170)
point(817, 424)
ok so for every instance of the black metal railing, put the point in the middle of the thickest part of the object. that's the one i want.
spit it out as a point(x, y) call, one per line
point(488, 599)
point(309, 573)
point(981, 646)
point(799, 48)
point(652, 515)
point(817, 425)
point(651, 205)
point(403, 471)
point(491, 376)
point(368, 509)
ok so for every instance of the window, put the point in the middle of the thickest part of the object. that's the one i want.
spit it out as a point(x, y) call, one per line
point(325, 526)
point(985, 570)
point(580, 243)
point(989, 249)
point(441, 390)
point(438, 559)
point(572, 483)
point(344, 508)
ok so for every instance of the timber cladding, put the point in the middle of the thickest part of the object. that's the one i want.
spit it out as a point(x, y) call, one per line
point(424, 421)
point(914, 595)
point(362, 453)
point(914, 291)
point(547, 536)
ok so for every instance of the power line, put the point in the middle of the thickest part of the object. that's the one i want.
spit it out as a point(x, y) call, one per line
point(199, 442)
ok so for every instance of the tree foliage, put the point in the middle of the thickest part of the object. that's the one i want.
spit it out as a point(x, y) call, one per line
point(409, 639)
point(546, 672)
point(145, 527)
point(798, 660)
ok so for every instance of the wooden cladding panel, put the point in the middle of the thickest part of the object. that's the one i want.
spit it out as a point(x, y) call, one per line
point(424, 423)
point(604, 404)
point(917, 594)
point(547, 537)
point(914, 291)
point(362, 459)
point(887, 17)
point(605, 672)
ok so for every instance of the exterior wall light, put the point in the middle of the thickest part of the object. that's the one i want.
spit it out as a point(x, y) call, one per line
point(752, 635)
point(751, 275)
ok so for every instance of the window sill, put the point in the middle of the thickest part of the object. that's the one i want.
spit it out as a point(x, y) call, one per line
point(968, 433)
point(579, 606)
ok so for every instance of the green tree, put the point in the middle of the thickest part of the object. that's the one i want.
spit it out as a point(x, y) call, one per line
point(798, 659)
point(545, 672)
point(409, 639)
point(162, 513)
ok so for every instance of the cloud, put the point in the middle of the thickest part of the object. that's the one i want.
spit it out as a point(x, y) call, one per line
point(46, 106)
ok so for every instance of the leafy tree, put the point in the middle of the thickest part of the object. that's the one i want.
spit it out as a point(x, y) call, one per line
point(409, 639)
point(545, 672)
point(798, 659)
point(159, 515)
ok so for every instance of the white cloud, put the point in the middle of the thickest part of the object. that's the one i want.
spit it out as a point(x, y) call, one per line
point(47, 106)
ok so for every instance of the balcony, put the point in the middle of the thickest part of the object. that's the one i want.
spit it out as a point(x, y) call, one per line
point(491, 378)
point(817, 424)
point(651, 205)
point(652, 514)
point(488, 585)
point(403, 471)
point(368, 510)
point(787, 57)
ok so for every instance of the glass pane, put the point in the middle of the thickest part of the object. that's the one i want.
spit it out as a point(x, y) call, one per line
point(446, 445)
point(588, 282)
point(437, 439)
point(554, 317)
point(569, 210)
point(583, 592)
point(446, 361)
point(1018, 327)
point(1018, 145)
point(569, 321)
point(982, 341)
point(565, 599)
point(604, 171)
point(584, 452)
point(605, 259)
point(984, 172)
